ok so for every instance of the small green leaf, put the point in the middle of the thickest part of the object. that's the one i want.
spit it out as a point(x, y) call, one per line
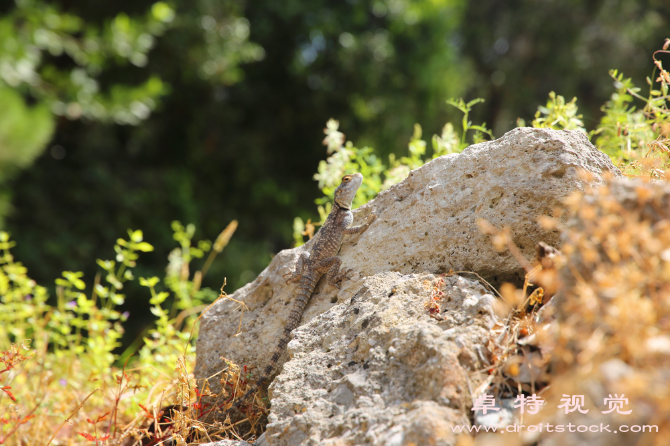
point(474, 101)
point(82, 301)
point(177, 226)
point(157, 311)
point(159, 298)
point(114, 281)
point(144, 247)
point(101, 290)
point(150, 282)
point(190, 230)
point(106, 264)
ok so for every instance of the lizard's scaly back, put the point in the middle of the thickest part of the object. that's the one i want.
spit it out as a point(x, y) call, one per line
point(322, 259)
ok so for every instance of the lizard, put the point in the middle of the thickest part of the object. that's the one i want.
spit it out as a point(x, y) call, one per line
point(321, 260)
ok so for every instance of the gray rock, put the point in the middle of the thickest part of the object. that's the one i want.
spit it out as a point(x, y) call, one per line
point(427, 223)
point(262, 441)
point(379, 370)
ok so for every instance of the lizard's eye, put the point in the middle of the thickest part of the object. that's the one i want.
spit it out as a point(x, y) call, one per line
point(346, 179)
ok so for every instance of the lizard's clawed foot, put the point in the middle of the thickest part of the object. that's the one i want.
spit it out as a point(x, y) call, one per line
point(346, 274)
point(371, 218)
point(291, 277)
point(294, 276)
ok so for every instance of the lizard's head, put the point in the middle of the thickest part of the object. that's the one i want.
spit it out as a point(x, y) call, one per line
point(345, 192)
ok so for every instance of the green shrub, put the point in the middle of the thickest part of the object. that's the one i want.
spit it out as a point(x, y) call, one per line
point(347, 158)
point(636, 137)
point(59, 356)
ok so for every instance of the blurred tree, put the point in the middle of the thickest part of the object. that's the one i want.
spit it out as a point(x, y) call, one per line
point(53, 61)
point(523, 49)
point(24, 131)
point(231, 143)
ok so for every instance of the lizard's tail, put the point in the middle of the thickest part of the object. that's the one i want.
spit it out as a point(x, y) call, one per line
point(267, 372)
point(307, 285)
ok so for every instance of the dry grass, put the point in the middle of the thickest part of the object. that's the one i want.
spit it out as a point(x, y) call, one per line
point(615, 300)
point(606, 330)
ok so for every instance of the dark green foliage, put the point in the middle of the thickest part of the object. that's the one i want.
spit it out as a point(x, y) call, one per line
point(24, 131)
point(215, 152)
point(523, 49)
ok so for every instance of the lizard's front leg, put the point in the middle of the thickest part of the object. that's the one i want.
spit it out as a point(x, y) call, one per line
point(294, 276)
point(331, 267)
point(358, 229)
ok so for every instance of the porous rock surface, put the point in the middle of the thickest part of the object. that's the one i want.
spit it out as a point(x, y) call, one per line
point(379, 370)
point(427, 223)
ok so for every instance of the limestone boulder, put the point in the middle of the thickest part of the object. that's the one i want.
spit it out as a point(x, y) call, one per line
point(427, 223)
point(380, 369)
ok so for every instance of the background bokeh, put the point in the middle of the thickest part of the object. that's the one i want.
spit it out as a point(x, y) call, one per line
point(132, 114)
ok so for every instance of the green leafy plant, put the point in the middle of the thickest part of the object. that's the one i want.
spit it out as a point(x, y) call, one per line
point(636, 138)
point(480, 130)
point(34, 29)
point(559, 115)
point(71, 344)
point(345, 158)
point(57, 60)
point(623, 128)
point(72, 341)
